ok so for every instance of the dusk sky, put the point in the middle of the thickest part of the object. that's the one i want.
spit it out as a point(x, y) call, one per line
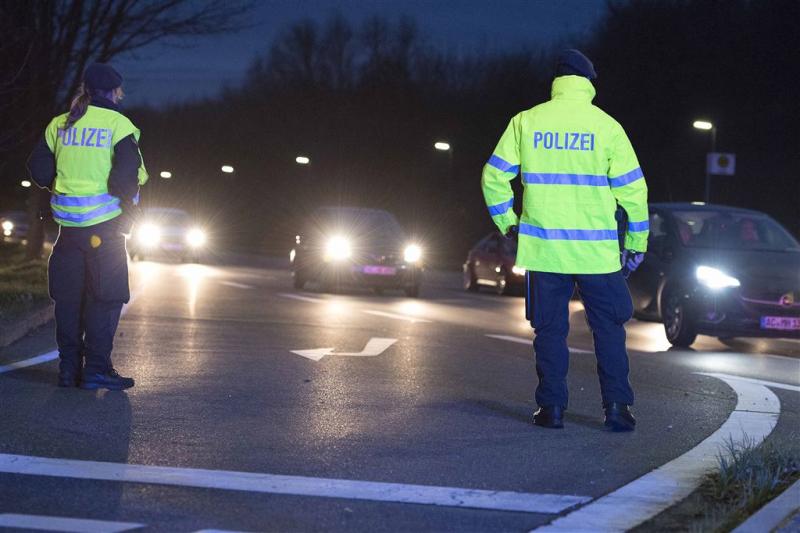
point(199, 68)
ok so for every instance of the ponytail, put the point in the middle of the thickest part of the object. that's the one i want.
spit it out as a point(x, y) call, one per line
point(78, 107)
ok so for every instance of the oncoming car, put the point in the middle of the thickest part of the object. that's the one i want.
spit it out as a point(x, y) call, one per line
point(356, 246)
point(490, 263)
point(167, 232)
point(720, 271)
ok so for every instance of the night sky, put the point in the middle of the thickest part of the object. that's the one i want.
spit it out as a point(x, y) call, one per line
point(161, 75)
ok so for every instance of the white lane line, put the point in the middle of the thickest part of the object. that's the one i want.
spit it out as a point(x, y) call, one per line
point(58, 523)
point(293, 485)
point(301, 298)
point(529, 342)
point(394, 316)
point(50, 356)
point(753, 419)
point(237, 285)
point(771, 384)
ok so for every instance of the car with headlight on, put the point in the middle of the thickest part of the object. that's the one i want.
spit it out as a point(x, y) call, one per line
point(13, 225)
point(356, 246)
point(720, 271)
point(490, 263)
point(167, 233)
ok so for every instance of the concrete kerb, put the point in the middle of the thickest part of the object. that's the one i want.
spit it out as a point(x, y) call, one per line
point(15, 330)
point(774, 513)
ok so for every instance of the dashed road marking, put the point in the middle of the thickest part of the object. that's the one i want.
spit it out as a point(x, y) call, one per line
point(529, 342)
point(235, 284)
point(58, 523)
point(753, 419)
point(292, 485)
point(395, 316)
point(301, 298)
point(771, 384)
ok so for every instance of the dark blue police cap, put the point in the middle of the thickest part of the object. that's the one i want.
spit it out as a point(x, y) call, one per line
point(573, 63)
point(102, 77)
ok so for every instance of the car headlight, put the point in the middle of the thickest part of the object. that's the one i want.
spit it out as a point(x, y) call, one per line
point(337, 249)
point(519, 271)
point(714, 278)
point(412, 253)
point(196, 238)
point(7, 225)
point(149, 235)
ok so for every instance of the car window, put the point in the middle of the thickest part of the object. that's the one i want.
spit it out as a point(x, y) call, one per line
point(658, 227)
point(733, 231)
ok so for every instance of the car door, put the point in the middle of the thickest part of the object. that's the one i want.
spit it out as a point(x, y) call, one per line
point(645, 282)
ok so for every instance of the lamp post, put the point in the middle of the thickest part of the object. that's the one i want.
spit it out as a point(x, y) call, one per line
point(166, 174)
point(705, 125)
point(302, 160)
point(227, 169)
point(444, 146)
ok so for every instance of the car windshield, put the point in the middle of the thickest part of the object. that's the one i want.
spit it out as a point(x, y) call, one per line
point(376, 224)
point(171, 217)
point(733, 231)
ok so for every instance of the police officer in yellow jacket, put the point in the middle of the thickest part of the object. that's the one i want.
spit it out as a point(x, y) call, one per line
point(89, 159)
point(577, 167)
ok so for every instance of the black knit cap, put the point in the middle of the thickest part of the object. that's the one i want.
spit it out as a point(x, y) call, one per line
point(101, 77)
point(572, 62)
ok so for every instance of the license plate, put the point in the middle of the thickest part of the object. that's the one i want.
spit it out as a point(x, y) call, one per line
point(377, 270)
point(780, 322)
point(172, 247)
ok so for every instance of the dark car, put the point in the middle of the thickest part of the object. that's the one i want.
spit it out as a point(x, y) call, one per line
point(167, 232)
point(356, 246)
point(719, 271)
point(14, 225)
point(490, 263)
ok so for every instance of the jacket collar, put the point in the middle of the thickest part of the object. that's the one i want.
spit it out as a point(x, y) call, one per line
point(572, 88)
point(99, 101)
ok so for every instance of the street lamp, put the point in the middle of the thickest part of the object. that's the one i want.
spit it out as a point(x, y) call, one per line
point(442, 146)
point(166, 174)
point(227, 169)
point(25, 183)
point(705, 125)
point(302, 160)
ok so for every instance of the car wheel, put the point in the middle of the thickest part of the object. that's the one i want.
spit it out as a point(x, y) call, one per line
point(502, 284)
point(412, 291)
point(470, 279)
point(678, 325)
point(298, 280)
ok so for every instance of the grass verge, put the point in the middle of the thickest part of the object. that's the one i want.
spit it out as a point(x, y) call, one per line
point(747, 476)
point(23, 283)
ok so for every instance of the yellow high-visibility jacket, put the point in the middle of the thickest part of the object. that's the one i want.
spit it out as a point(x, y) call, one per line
point(577, 164)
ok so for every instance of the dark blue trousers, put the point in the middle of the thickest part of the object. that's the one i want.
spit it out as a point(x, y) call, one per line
point(88, 281)
point(608, 306)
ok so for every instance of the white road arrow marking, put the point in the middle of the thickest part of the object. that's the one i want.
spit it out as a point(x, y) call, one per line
point(529, 342)
point(237, 285)
point(375, 346)
point(395, 316)
point(301, 298)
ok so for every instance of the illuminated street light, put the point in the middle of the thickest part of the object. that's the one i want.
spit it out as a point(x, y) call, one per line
point(302, 160)
point(706, 125)
point(441, 145)
point(227, 169)
point(166, 174)
point(25, 183)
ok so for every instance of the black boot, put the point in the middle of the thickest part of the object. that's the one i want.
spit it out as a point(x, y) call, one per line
point(549, 417)
point(619, 417)
point(110, 380)
point(68, 379)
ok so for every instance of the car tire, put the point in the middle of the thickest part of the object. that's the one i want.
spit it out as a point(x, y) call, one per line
point(679, 327)
point(470, 279)
point(412, 291)
point(298, 280)
point(502, 284)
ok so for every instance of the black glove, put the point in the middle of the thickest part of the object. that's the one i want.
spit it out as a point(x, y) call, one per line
point(512, 233)
point(130, 214)
point(630, 261)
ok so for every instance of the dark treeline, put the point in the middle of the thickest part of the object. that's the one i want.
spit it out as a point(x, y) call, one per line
point(367, 103)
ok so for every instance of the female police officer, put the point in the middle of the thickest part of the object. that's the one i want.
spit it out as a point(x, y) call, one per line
point(90, 160)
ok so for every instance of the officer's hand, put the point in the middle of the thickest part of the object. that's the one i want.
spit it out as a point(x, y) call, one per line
point(630, 261)
point(130, 214)
point(512, 233)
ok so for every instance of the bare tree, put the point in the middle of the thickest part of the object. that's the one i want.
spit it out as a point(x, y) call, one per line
point(47, 44)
